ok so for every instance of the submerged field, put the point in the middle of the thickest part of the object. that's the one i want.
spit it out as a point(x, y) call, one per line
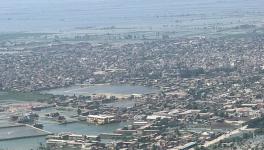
point(137, 15)
point(23, 96)
point(108, 90)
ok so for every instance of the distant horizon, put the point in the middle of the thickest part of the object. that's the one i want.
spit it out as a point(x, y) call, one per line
point(66, 15)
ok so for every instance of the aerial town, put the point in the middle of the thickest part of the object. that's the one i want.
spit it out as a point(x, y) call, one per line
point(131, 75)
point(208, 93)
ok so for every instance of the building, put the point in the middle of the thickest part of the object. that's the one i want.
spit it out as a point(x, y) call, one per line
point(101, 119)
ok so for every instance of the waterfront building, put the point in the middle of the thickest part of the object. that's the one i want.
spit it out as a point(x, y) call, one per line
point(101, 119)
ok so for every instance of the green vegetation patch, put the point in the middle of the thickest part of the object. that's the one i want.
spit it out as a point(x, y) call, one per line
point(256, 123)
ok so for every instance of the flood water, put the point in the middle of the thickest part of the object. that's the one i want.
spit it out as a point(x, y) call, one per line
point(22, 144)
point(65, 15)
point(102, 89)
point(33, 143)
point(83, 128)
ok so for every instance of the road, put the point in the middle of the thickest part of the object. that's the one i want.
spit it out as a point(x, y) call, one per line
point(224, 136)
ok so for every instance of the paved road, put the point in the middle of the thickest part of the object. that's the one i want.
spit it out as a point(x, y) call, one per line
point(224, 136)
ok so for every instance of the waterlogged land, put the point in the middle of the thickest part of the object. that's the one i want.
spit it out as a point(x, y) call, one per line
point(22, 144)
point(216, 66)
point(33, 143)
point(108, 90)
point(66, 15)
point(113, 20)
point(49, 126)
point(23, 96)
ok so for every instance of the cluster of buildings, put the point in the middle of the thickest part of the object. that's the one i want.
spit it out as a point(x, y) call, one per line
point(74, 142)
point(158, 63)
point(166, 121)
point(209, 88)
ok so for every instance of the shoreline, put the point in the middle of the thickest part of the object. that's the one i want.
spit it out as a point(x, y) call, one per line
point(75, 90)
